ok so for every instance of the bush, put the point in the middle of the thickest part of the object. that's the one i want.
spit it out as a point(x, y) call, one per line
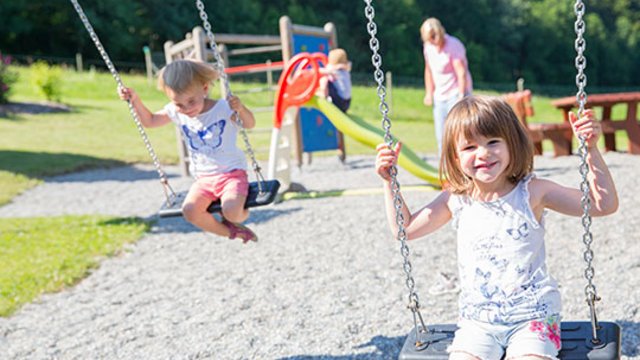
point(47, 79)
point(7, 78)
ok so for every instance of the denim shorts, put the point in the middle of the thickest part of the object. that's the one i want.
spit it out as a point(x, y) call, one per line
point(487, 341)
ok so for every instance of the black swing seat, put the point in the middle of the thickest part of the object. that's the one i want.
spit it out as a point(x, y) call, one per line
point(254, 198)
point(576, 342)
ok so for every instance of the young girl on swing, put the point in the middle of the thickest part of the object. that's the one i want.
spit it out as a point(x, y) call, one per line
point(209, 129)
point(508, 300)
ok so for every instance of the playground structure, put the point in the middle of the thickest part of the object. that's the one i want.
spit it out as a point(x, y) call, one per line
point(297, 88)
point(303, 129)
point(304, 132)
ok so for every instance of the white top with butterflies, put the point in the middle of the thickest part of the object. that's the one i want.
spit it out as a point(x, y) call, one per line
point(211, 139)
point(501, 259)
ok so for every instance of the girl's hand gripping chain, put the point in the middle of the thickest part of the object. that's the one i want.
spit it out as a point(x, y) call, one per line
point(386, 158)
point(587, 127)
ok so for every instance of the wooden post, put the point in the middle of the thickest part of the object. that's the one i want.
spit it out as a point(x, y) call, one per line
point(224, 56)
point(148, 64)
point(269, 75)
point(388, 80)
point(199, 44)
point(286, 32)
point(270, 90)
point(168, 57)
point(79, 62)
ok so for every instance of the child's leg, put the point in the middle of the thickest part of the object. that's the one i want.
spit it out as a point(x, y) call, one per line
point(461, 356)
point(536, 339)
point(322, 87)
point(233, 207)
point(233, 188)
point(194, 210)
point(476, 340)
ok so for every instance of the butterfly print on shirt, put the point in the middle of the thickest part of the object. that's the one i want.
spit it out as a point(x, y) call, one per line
point(207, 139)
point(520, 233)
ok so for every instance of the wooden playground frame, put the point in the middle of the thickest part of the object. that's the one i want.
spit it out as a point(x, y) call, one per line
point(194, 46)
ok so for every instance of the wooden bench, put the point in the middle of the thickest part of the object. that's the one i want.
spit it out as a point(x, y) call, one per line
point(560, 134)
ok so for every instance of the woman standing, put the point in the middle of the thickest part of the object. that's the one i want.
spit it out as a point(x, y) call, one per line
point(446, 72)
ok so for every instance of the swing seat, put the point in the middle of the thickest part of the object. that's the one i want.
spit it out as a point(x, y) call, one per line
point(254, 198)
point(576, 342)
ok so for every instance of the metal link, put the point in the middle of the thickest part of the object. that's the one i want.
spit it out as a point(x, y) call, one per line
point(581, 98)
point(168, 191)
point(227, 89)
point(376, 60)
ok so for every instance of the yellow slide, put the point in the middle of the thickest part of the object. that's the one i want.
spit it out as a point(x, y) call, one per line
point(369, 135)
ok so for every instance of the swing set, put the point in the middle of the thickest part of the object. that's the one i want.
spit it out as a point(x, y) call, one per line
point(580, 339)
point(261, 192)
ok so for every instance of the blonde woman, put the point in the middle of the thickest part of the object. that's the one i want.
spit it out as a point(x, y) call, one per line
point(446, 72)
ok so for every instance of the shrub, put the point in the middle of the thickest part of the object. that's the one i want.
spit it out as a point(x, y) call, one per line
point(7, 78)
point(47, 79)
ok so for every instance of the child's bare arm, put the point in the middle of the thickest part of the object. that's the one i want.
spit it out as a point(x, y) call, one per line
point(246, 116)
point(424, 221)
point(147, 118)
point(604, 197)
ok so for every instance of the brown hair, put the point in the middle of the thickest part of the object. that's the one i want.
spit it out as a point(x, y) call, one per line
point(181, 75)
point(488, 117)
point(432, 27)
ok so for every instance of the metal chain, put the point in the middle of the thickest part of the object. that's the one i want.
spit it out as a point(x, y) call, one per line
point(227, 89)
point(376, 60)
point(168, 191)
point(581, 99)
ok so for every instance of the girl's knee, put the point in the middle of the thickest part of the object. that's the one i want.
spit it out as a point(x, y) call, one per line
point(236, 214)
point(461, 355)
point(189, 212)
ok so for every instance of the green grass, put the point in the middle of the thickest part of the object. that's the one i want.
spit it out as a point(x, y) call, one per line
point(100, 132)
point(48, 254)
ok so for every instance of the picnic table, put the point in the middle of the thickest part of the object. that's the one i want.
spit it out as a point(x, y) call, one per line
point(610, 126)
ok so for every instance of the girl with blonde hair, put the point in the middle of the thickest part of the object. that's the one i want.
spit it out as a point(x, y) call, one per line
point(209, 129)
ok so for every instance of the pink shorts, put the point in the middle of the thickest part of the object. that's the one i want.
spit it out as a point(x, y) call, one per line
point(214, 186)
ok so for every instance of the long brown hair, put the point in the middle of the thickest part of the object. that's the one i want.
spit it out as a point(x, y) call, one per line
point(488, 117)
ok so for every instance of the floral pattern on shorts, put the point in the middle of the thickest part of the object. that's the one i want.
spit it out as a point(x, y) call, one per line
point(548, 328)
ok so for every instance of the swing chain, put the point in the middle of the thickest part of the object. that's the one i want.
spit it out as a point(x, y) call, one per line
point(168, 191)
point(227, 89)
point(581, 99)
point(376, 60)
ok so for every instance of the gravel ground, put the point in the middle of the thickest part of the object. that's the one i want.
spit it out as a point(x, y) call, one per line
point(325, 280)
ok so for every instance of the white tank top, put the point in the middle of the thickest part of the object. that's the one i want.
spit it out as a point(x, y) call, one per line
point(501, 259)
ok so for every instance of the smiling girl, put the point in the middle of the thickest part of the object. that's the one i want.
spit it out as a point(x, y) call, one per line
point(508, 300)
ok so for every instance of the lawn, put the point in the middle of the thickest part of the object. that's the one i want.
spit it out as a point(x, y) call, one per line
point(48, 254)
point(99, 130)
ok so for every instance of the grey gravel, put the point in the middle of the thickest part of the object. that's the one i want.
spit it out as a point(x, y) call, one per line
point(324, 281)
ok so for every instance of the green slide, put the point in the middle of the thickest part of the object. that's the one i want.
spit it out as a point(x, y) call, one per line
point(372, 136)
